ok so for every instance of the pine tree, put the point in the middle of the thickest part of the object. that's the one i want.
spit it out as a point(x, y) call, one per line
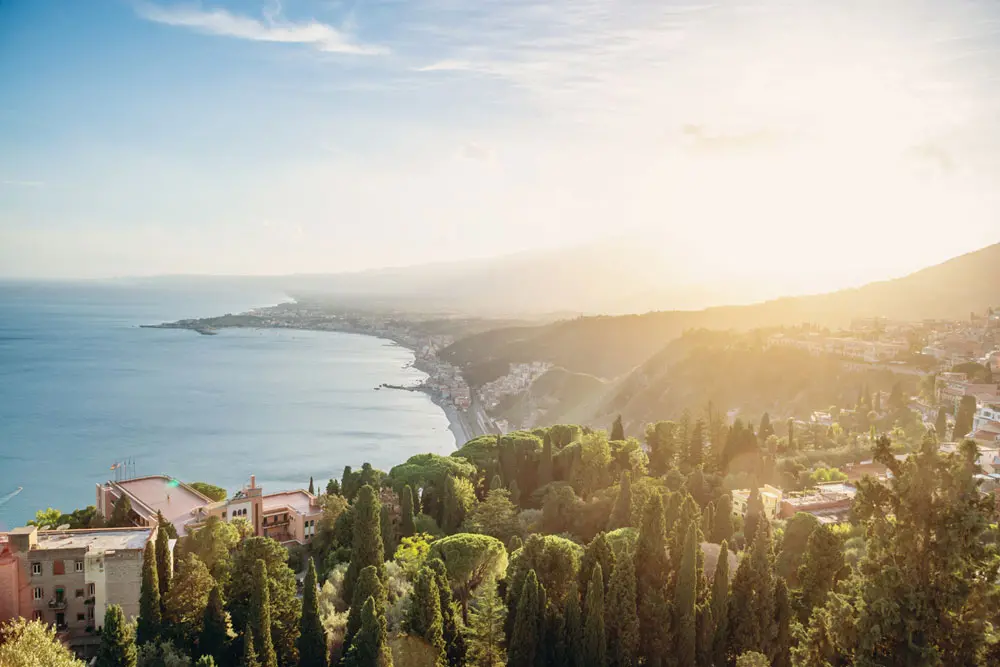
point(164, 569)
point(686, 599)
point(312, 636)
point(545, 473)
point(486, 621)
point(617, 430)
point(722, 526)
point(260, 616)
point(782, 643)
point(821, 566)
point(621, 516)
point(573, 628)
point(941, 425)
point(367, 586)
point(407, 522)
point(755, 513)
point(312, 489)
point(652, 570)
point(367, 538)
point(388, 531)
point(121, 513)
point(424, 616)
point(622, 618)
point(249, 651)
point(214, 635)
point(696, 446)
point(333, 487)
point(117, 647)
point(598, 552)
point(371, 645)
point(720, 605)
point(594, 639)
point(150, 614)
point(526, 645)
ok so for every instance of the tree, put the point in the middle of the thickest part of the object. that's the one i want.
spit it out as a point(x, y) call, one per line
point(312, 489)
point(205, 661)
point(782, 643)
point(368, 586)
point(525, 645)
point(708, 520)
point(695, 454)
point(454, 642)
point(751, 602)
point(590, 471)
point(367, 543)
point(941, 424)
point(573, 629)
point(213, 544)
point(459, 498)
point(424, 616)
point(486, 621)
point(821, 567)
point(686, 599)
point(312, 636)
point(752, 659)
point(594, 639)
point(964, 417)
point(185, 602)
point(117, 647)
point(211, 491)
point(121, 513)
point(661, 442)
point(496, 516)
point(621, 516)
point(215, 631)
point(617, 430)
point(754, 515)
point(652, 572)
point(791, 435)
point(765, 430)
point(470, 561)
point(406, 525)
point(720, 605)
point(260, 616)
point(47, 519)
point(148, 628)
point(388, 530)
point(333, 487)
point(545, 471)
point(722, 526)
point(370, 648)
point(598, 552)
point(798, 530)
point(26, 643)
point(622, 619)
point(249, 652)
point(164, 568)
point(556, 562)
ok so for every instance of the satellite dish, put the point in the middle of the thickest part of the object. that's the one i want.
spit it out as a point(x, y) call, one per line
point(65, 526)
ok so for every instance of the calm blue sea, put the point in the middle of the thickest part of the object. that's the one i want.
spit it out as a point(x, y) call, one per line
point(81, 386)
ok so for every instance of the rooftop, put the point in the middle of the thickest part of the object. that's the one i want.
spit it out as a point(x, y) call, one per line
point(298, 500)
point(95, 539)
point(161, 493)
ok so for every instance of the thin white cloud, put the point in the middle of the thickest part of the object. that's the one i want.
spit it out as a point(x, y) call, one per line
point(272, 28)
point(447, 66)
point(13, 183)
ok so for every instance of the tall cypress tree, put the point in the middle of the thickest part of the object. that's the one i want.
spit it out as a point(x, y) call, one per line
point(941, 425)
point(164, 571)
point(347, 486)
point(594, 640)
point(617, 430)
point(622, 619)
point(215, 627)
point(260, 616)
point(486, 621)
point(249, 650)
point(652, 570)
point(621, 516)
point(367, 539)
point(686, 599)
point(150, 619)
point(424, 616)
point(371, 646)
point(454, 640)
point(720, 605)
point(407, 525)
point(573, 629)
point(312, 636)
point(696, 446)
point(686, 517)
point(822, 565)
point(781, 648)
point(754, 515)
point(722, 524)
point(388, 531)
point(545, 474)
point(598, 552)
point(367, 586)
point(751, 602)
point(312, 489)
point(117, 647)
point(791, 434)
point(525, 645)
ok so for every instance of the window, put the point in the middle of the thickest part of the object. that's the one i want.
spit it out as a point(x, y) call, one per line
point(39, 616)
point(79, 566)
point(91, 589)
point(39, 593)
point(79, 592)
point(58, 567)
point(81, 617)
point(36, 568)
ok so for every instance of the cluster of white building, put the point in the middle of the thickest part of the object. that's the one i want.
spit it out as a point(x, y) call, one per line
point(518, 379)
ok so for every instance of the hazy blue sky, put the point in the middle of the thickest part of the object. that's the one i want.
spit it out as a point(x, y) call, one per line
point(846, 140)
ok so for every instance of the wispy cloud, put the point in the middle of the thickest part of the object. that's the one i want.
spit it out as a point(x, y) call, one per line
point(270, 28)
point(14, 183)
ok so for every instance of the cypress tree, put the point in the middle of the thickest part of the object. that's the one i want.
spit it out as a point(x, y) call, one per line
point(454, 640)
point(424, 616)
point(720, 605)
point(312, 636)
point(333, 487)
point(117, 647)
point(367, 539)
point(755, 513)
point(312, 489)
point(594, 640)
point(347, 483)
point(260, 616)
point(407, 525)
point(722, 524)
point(525, 645)
point(621, 516)
point(496, 483)
point(686, 599)
point(164, 571)
point(687, 516)
point(545, 464)
point(617, 430)
point(388, 531)
point(941, 425)
point(368, 586)
point(781, 649)
point(514, 544)
point(598, 552)
point(751, 601)
point(652, 570)
point(371, 646)
point(215, 627)
point(573, 629)
point(705, 634)
point(150, 618)
point(822, 565)
point(622, 619)
point(708, 520)
point(696, 447)
point(249, 652)
point(486, 621)
point(791, 434)
point(515, 493)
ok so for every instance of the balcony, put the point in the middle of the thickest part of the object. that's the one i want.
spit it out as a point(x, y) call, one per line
point(89, 601)
point(57, 603)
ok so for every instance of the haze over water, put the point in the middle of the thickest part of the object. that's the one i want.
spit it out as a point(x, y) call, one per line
point(81, 386)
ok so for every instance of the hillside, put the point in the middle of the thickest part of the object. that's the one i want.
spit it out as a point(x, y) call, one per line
point(609, 347)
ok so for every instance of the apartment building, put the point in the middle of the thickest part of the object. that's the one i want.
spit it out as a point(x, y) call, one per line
point(770, 497)
point(178, 502)
point(68, 578)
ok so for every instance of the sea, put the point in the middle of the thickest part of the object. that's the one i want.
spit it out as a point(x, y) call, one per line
point(83, 388)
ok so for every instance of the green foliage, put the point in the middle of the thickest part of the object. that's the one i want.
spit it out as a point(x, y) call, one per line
point(621, 516)
point(824, 475)
point(47, 519)
point(388, 530)
point(496, 516)
point(573, 630)
point(412, 552)
point(822, 565)
point(560, 508)
point(622, 618)
point(964, 417)
point(752, 659)
point(367, 541)
point(164, 568)
point(591, 471)
point(424, 616)
point(148, 628)
point(117, 647)
point(798, 530)
point(215, 631)
point(661, 439)
point(780, 652)
point(594, 639)
point(312, 637)
point(526, 647)
point(26, 643)
point(598, 552)
point(941, 425)
point(312, 488)
point(213, 544)
point(216, 493)
point(652, 573)
point(695, 454)
point(424, 471)
point(161, 654)
point(185, 602)
point(121, 513)
point(555, 562)
point(751, 601)
point(454, 641)
point(459, 498)
point(754, 516)
point(545, 465)
point(720, 606)
point(368, 586)
point(249, 649)
point(260, 616)
point(487, 616)
point(206, 661)
point(471, 560)
point(617, 430)
point(686, 599)
point(406, 525)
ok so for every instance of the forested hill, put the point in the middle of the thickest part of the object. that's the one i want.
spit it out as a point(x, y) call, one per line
point(608, 347)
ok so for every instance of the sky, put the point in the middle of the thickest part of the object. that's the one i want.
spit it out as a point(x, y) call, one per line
point(811, 144)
